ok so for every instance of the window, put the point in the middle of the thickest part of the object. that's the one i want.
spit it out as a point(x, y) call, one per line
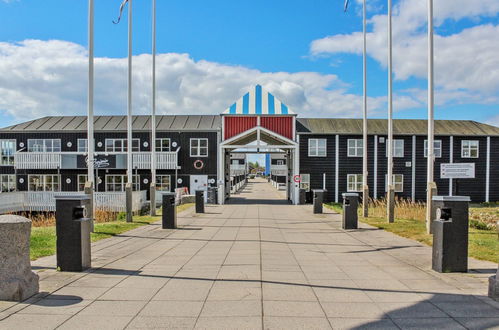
point(398, 148)
point(437, 148)
point(305, 182)
point(398, 182)
point(118, 182)
point(7, 151)
point(317, 147)
point(355, 147)
point(469, 149)
point(82, 145)
point(354, 182)
point(44, 182)
point(7, 182)
point(280, 162)
point(82, 179)
point(162, 145)
point(44, 145)
point(163, 183)
point(120, 145)
point(199, 147)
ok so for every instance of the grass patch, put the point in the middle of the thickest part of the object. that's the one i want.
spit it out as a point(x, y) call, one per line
point(483, 240)
point(43, 239)
point(482, 244)
point(337, 207)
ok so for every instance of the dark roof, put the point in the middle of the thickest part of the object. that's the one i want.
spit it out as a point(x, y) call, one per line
point(400, 127)
point(213, 122)
point(118, 123)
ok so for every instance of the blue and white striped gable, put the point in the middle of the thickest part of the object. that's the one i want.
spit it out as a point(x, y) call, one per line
point(258, 102)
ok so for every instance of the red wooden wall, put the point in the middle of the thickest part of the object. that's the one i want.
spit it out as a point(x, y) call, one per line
point(239, 124)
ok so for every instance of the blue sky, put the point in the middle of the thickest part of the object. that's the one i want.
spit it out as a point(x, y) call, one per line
point(305, 52)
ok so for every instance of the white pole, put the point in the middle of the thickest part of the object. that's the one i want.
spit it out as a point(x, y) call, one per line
point(129, 186)
point(90, 110)
point(129, 115)
point(365, 189)
point(153, 115)
point(390, 206)
point(431, 128)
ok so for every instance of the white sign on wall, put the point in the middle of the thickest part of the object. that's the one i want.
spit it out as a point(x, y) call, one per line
point(457, 171)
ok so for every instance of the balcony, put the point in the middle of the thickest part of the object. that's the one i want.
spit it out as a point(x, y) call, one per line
point(74, 160)
point(38, 160)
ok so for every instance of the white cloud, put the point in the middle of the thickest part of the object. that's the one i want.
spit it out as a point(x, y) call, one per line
point(466, 62)
point(39, 78)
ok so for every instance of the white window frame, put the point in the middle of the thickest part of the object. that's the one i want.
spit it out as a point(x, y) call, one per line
point(7, 183)
point(353, 148)
point(198, 148)
point(162, 186)
point(398, 185)
point(159, 145)
point(44, 145)
point(398, 148)
point(55, 186)
point(122, 184)
point(79, 146)
point(280, 162)
point(355, 182)
point(7, 157)
point(79, 183)
point(123, 147)
point(466, 146)
point(305, 181)
point(437, 148)
point(315, 149)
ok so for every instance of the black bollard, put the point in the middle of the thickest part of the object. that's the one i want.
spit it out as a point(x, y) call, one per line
point(318, 200)
point(450, 234)
point(350, 216)
point(169, 217)
point(73, 228)
point(199, 201)
point(302, 197)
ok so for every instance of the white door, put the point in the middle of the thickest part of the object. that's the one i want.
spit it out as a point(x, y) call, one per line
point(199, 182)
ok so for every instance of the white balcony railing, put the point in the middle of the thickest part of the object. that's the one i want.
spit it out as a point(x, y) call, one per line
point(53, 160)
point(38, 160)
point(238, 167)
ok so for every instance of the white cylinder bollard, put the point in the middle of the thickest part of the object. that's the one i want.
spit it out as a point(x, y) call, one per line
point(17, 281)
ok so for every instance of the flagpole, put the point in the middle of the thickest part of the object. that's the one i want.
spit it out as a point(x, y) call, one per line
point(129, 118)
point(365, 190)
point(90, 107)
point(390, 193)
point(431, 188)
point(153, 115)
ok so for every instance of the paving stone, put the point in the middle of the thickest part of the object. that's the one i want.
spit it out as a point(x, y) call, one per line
point(362, 323)
point(85, 322)
point(129, 294)
point(238, 322)
point(290, 323)
point(172, 308)
point(162, 322)
point(353, 310)
point(113, 308)
point(232, 308)
point(428, 324)
point(293, 308)
point(31, 321)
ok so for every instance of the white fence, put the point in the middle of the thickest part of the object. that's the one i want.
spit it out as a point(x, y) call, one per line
point(53, 160)
point(38, 160)
point(41, 201)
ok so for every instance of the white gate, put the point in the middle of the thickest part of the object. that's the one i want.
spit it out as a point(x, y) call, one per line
point(199, 182)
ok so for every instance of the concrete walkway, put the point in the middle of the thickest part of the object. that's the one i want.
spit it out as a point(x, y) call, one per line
point(265, 265)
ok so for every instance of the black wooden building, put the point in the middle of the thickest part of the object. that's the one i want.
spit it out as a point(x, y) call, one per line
point(49, 154)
